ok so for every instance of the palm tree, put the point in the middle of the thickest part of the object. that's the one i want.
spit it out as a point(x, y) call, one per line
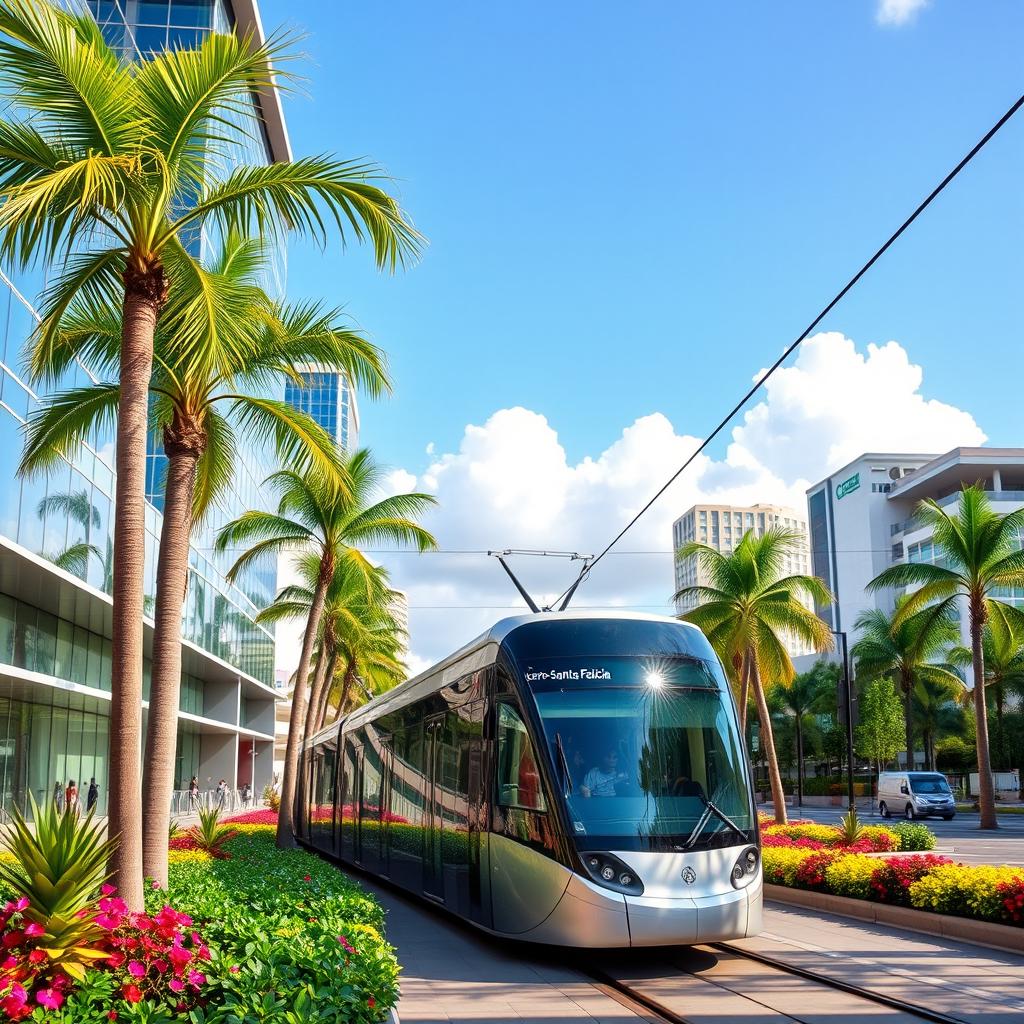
point(743, 612)
point(936, 710)
point(1003, 649)
point(105, 167)
point(317, 515)
point(801, 698)
point(357, 627)
point(251, 342)
point(981, 555)
point(906, 649)
point(76, 506)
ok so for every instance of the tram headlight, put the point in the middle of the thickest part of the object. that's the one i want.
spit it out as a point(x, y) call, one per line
point(607, 870)
point(744, 871)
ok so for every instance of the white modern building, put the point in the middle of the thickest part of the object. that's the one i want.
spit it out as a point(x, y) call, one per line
point(862, 518)
point(721, 527)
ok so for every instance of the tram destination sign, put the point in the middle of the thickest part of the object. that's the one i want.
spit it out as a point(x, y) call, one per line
point(568, 674)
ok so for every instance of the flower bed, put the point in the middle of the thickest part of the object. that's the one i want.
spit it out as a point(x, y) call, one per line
point(925, 882)
point(262, 935)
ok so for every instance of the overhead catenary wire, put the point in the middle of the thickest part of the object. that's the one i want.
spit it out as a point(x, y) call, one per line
point(794, 345)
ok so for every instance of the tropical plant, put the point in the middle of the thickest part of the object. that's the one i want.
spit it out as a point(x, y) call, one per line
point(173, 829)
point(799, 700)
point(317, 515)
point(77, 507)
point(358, 628)
point(60, 864)
point(1002, 645)
point(211, 833)
point(937, 709)
point(880, 734)
point(906, 648)
point(106, 170)
point(744, 611)
point(981, 556)
point(201, 399)
point(850, 827)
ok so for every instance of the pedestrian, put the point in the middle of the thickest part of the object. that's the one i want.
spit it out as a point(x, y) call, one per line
point(92, 797)
point(58, 796)
point(193, 794)
point(71, 797)
point(246, 794)
point(222, 793)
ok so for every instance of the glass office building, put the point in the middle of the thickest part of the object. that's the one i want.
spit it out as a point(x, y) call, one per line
point(328, 397)
point(56, 533)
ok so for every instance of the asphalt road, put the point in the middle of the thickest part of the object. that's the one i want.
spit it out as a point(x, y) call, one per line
point(960, 839)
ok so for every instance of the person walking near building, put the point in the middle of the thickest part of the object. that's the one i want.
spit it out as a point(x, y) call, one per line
point(58, 796)
point(222, 793)
point(193, 795)
point(71, 797)
point(92, 796)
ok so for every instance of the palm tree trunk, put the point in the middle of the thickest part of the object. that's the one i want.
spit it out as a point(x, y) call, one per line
point(768, 745)
point(321, 711)
point(1000, 745)
point(908, 717)
point(286, 815)
point(183, 444)
point(145, 292)
point(316, 693)
point(346, 686)
point(799, 762)
point(986, 787)
point(744, 696)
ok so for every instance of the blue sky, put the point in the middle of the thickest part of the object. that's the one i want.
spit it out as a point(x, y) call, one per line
point(634, 213)
point(631, 210)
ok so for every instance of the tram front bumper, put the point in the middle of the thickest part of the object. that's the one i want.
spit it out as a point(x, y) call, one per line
point(661, 921)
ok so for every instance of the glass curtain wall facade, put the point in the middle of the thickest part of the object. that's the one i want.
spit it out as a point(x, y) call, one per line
point(67, 516)
point(329, 399)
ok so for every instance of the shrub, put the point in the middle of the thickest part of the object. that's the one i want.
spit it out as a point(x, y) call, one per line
point(210, 834)
point(893, 878)
point(272, 797)
point(913, 836)
point(1011, 894)
point(810, 874)
point(967, 891)
point(780, 864)
point(850, 828)
point(850, 875)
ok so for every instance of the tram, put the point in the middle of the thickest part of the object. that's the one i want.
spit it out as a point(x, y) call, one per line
point(566, 778)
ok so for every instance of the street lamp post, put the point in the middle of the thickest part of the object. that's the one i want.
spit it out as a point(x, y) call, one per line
point(847, 699)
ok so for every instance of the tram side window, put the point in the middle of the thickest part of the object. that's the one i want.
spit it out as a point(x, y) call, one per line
point(518, 777)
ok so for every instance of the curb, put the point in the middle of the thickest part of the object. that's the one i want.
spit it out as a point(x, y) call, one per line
point(961, 929)
point(393, 1017)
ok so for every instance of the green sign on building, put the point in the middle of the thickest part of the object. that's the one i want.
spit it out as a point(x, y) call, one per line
point(848, 486)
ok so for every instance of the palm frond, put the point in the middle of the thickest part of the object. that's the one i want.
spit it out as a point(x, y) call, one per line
point(58, 428)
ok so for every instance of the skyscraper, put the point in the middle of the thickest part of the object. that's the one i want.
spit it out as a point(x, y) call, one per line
point(329, 398)
point(56, 533)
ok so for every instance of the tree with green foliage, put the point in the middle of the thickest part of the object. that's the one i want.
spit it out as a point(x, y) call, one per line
point(799, 701)
point(937, 711)
point(880, 734)
point(906, 649)
point(107, 169)
point(980, 555)
point(327, 517)
point(747, 609)
point(202, 398)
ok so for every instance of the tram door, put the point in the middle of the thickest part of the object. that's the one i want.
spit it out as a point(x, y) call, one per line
point(433, 865)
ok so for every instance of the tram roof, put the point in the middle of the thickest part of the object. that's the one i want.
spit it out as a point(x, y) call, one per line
point(494, 636)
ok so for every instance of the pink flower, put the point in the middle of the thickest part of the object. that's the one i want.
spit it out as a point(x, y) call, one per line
point(178, 956)
point(135, 969)
point(234, 968)
point(108, 921)
point(34, 929)
point(49, 998)
point(196, 978)
point(108, 890)
point(155, 884)
point(21, 904)
point(18, 994)
point(176, 985)
point(346, 945)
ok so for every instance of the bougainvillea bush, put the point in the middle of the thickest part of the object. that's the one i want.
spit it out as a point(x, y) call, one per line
point(813, 836)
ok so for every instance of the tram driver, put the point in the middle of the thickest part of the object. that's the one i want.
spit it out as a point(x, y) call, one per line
point(601, 781)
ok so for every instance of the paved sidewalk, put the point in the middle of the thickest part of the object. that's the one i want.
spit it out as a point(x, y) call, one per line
point(451, 973)
point(969, 982)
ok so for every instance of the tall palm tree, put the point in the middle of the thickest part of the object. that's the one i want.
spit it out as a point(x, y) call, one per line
point(317, 515)
point(744, 612)
point(105, 167)
point(936, 709)
point(201, 397)
point(981, 555)
point(907, 650)
point(1003, 649)
point(800, 699)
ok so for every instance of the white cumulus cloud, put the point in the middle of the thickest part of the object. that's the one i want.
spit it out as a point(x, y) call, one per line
point(510, 485)
point(898, 12)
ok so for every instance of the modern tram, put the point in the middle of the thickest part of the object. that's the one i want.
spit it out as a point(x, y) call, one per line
point(566, 778)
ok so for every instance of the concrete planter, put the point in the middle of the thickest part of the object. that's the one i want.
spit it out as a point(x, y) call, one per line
point(961, 929)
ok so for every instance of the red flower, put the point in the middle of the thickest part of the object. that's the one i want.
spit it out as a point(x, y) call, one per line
point(12, 939)
point(115, 960)
point(112, 1015)
point(371, 1002)
point(37, 956)
point(132, 993)
point(234, 968)
point(308, 878)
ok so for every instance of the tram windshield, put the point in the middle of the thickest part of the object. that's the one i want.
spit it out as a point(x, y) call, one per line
point(641, 747)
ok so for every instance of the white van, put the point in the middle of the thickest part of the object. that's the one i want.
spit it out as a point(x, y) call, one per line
point(915, 795)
